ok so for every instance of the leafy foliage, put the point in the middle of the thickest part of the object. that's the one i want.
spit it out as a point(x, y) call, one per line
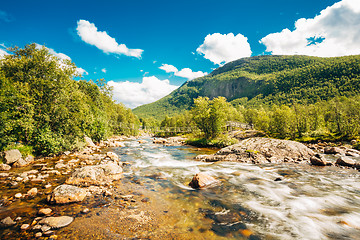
point(43, 106)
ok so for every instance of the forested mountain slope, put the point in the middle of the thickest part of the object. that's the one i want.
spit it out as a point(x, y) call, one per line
point(266, 80)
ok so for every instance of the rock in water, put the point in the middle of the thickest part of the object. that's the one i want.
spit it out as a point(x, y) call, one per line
point(11, 156)
point(262, 150)
point(57, 222)
point(318, 160)
point(32, 192)
point(7, 222)
point(202, 180)
point(345, 161)
point(67, 194)
point(331, 150)
point(4, 167)
point(113, 156)
point(45, 211)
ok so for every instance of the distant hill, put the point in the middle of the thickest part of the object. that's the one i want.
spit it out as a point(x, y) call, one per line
point(264, 80)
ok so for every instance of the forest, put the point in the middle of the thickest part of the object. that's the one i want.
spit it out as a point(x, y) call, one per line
point(47, 108)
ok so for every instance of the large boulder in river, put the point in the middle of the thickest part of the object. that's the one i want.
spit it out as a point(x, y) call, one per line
point(96, 175)
point(318, 160)
point(202, 180)
point(67, 194)
point(262, 150)
point(11, 156)
point(345, 161)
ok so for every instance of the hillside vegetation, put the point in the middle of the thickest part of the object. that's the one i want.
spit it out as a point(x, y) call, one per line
point(265, 80)
point(44, 108)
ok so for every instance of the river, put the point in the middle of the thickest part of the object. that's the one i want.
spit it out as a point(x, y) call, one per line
point(269, 201)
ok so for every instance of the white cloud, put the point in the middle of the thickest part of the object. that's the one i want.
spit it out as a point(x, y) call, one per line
point(168, 68)
point(223, 48)
point(185, 72)
point(334, 32)
point(62, 58)
point(189, 74)
point(3, 51)
point(90, 34)
point(103, 70)
point(134, 94)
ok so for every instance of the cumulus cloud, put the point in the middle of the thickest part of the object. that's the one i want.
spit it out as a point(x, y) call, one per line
point(223, 48)
point(134, 94)
point(103, 70)
point(62, 58)
point(334, 32)
point(185, 72)
point(89, 33)
point(3, 51)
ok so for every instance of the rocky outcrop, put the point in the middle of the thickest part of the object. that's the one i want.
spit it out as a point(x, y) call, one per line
point(67, 194)
point(11, 156)
point(202, 180)
point(261, 150)
point(96, 175)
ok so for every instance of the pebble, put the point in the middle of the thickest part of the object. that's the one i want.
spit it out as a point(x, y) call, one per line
point(32, 192)
point(45, 211)
point(7, 222)
point(145, 200)
point(85, 210)
point(49, 233)
point(38, 235)
point(47, 186)
point(45, 228)
point(37, 227)
point(18, 195)
point(24, 226)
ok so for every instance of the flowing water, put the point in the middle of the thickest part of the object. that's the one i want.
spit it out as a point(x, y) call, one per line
point(270, 201)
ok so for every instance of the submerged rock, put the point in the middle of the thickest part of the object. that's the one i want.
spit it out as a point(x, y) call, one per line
point(57, 222)
point(202, 180)
point(67, 194)
point(262, 150)
point(45, 211)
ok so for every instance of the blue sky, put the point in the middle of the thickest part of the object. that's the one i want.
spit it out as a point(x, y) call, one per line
point(145, 49)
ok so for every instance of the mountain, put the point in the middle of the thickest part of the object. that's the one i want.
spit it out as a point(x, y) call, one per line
point(265, 80)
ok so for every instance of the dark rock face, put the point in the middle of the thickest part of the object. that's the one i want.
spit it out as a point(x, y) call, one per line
point(202, 180)
point(261, 150)
point(67, 194)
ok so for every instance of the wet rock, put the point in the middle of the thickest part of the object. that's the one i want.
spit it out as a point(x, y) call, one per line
point(7, 222)
point(160, 141)
point(67, 194)
point(49, 233)
point(45, 228)
point(345, 161)
point(36, 227)
point(11, 156)
point(89, 142)
point(4, 167)
point(45, 211)
point(352, 153)
point(113, 156)
point(332, 150)
point(202, 180)
point(145, 200)
point(4, 175)
point(20, 163)
point(60, 165)
point(85, 210)
point(261, 150)
point(318, 160)
point(48, 186)
point(96, 175)
point(141, 141)
point(57, 222)
point(24, 226)
point(38, 235)
point(32, 192)
point(18, 195)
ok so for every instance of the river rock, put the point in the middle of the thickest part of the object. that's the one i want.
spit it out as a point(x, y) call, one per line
point(113, 156)
point(32, 192)
point(24, 226)
point(318, 160)
point(96, 175)
point(4, 167)
point(345, 161)
point(60, 165)
point(7, 222)
point(262, 150)
point(18, 195)
point(202, 180)
point(332, 150)
point(57, 222)
point(11, 156)
point(67, 194)
point(45, 211)
point(89, 142)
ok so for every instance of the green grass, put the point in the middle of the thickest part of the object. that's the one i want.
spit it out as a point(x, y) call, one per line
point(25, 150)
